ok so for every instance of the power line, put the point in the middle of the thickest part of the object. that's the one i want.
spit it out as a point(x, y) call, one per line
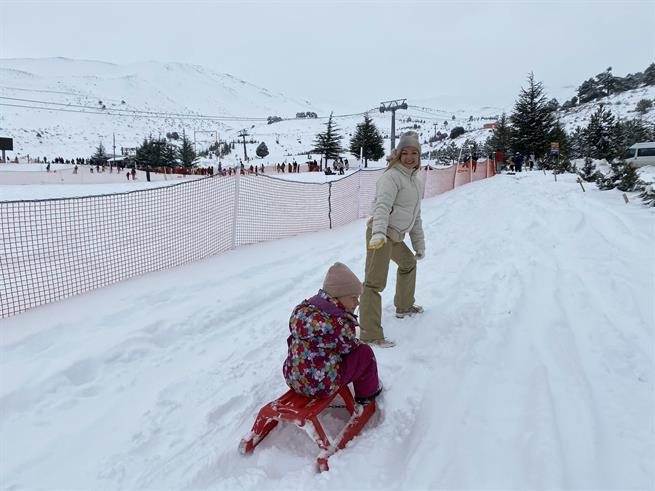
point(39, 90)
point(144, 113)
point(107, 112)
point(133, 111)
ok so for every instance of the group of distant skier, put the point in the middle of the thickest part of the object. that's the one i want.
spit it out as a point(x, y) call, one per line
point(516, 160)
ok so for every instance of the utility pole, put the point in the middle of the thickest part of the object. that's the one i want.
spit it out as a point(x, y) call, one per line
point(243, 134)
point(111, 166)
point(435, 130)
point(393, 106)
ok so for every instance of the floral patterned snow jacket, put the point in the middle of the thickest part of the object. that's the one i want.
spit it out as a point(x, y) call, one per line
point(322, 331)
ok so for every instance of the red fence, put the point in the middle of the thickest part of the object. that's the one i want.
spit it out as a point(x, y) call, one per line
point(52, 249)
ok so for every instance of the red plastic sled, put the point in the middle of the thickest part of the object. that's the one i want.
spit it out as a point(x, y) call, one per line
point(301, 410)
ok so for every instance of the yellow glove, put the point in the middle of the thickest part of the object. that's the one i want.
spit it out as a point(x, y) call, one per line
point(377, 240)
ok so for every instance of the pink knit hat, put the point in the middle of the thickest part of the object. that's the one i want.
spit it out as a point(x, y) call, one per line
point(340, 281)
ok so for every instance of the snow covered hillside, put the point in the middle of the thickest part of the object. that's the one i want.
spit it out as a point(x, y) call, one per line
point(622, 106)
point(64, 85)
point(531, 368)
point(84, 103)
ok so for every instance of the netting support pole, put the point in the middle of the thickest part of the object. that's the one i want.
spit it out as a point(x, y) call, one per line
point(330, 203)
point(425, 180)
point(236, 207)
point(359, 191)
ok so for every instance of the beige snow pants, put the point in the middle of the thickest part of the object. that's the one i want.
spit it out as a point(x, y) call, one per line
point(375, 280)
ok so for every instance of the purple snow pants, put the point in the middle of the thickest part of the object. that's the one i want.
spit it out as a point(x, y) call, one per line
point(360, 367)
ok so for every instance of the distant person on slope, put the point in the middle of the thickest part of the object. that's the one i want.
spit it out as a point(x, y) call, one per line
point(324, 352)
point(396, 211)
point(518, 161)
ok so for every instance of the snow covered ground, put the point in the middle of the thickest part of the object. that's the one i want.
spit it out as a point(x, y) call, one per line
point(532, 367)
point(32, 181)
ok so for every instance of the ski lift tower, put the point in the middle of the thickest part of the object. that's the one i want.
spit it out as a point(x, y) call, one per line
point(393, 106)
point(243, 133)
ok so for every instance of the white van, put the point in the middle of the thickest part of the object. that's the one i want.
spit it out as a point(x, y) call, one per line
point(641, 154)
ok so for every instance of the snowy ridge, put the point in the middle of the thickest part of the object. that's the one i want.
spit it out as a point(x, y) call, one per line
point(622, 106)
point(149, 86)
point(532, 367)
point(185, 89)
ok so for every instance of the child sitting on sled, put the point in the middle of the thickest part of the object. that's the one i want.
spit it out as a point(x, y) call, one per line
point(324, 352)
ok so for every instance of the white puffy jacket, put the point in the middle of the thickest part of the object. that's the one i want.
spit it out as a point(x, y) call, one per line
point(397, 207)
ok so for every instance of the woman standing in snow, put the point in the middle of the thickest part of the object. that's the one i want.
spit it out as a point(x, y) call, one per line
point(324, 352)
point(396, 211)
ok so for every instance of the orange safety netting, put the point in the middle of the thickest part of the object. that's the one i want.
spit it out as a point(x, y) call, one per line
point(54, 248)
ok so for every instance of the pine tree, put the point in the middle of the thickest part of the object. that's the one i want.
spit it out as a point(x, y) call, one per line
point(621, 176)
point(558, 134)
point(446, 154)
point(451, 152)
point(562, 165)
point(156, 153)
point(456, 132)
point(167, 154)
point(606, 81)
point(588, 172)
point(648, 195)
point(578, 146)
point(571, 103)
point(560, 161)
point(532, 120)
point(367, 140)
point(262, 150)
point(627, 178)
point(649, 75)
point(328, 143)
point(636, 130)
point(143, 151)
point(589, 91)
point(643, 106)
point(186, 152)
point(553, 104)
point(100, 157)
point(603, 135)
point(606, 181)
point(500, 139)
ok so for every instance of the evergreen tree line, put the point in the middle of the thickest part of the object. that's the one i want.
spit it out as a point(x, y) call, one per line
point(158, 152)
point(225, 149)
point(605, 83)
point(532, 126)
point(366, 141)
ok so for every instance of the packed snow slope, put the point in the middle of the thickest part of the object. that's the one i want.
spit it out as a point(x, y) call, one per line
point(531, 368)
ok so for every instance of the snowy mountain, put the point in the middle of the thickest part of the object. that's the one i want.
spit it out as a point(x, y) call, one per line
point(622, 106)
point(88, 101)
point(82, 103)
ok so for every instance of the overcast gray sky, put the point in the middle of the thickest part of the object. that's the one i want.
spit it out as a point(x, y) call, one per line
point(351, 54)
